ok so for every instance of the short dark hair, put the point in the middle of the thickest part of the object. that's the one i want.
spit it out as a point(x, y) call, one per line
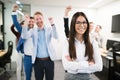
point(31, 17)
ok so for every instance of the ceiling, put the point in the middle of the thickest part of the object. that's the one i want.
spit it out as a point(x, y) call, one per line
point(75, 3)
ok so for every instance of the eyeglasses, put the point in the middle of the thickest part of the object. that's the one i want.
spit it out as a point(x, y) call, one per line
point(84, 22)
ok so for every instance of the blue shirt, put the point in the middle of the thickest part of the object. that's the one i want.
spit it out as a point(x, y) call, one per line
point(42, 50)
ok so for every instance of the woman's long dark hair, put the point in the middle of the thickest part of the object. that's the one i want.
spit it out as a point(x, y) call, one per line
point(88, 45)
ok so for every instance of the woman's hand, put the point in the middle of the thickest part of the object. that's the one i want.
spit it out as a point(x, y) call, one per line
point(68, 58)
point(91, 62)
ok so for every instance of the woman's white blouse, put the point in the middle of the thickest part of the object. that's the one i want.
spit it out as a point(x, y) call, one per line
point(81, 65)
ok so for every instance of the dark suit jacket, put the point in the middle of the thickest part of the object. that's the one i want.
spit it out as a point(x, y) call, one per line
point(66, 26)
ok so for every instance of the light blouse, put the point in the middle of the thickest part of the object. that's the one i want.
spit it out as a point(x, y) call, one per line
point(81, 65)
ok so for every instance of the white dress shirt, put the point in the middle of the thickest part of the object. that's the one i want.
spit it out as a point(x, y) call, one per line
point(28, 44)
point(81, 65)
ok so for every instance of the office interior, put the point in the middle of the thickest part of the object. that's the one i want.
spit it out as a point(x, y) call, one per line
point(100, 13)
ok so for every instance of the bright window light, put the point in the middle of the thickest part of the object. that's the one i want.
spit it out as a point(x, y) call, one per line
point(18, 2)
point(20, 12)
point(20, 9)
point(94, 3)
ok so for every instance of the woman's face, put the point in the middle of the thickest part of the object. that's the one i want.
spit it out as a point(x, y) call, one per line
point(80, 25)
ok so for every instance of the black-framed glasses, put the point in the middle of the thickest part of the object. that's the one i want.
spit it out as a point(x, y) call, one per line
point(84, 22)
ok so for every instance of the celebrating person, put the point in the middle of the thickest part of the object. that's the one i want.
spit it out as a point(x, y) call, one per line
point(80, 56)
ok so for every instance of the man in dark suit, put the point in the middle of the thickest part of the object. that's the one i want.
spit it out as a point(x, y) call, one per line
point(66, 20)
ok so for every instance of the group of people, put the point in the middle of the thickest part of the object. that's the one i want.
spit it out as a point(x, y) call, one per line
point(80, 58)
point(35, 44)
point(95, 33)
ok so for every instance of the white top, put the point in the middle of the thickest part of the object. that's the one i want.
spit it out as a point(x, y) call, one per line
point(28, 44)
point(80, 65)
point(28, 47)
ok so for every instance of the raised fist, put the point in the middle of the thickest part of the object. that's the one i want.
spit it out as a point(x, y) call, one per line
point(15, 7)
point(51, 20)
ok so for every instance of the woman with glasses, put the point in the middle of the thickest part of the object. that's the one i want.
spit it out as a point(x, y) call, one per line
point(80, 56)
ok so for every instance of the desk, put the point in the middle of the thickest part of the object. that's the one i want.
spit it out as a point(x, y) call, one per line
point(1, 71)
point(2, 53)
point(107, 63)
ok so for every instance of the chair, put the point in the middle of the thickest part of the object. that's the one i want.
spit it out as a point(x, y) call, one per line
point(116, 61)
point(1, 46)
point(7, 57)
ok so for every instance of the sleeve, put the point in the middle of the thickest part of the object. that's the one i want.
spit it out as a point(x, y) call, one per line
point(13, 30)
point(15, 22)
point(68, 65)
point(66, 26)
point(54, 32)
point(97, 58)
point(26, 33)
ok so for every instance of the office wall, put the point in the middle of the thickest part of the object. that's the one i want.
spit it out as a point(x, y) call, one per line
point(104, 18)
point(8, 34)
point(0, 17)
